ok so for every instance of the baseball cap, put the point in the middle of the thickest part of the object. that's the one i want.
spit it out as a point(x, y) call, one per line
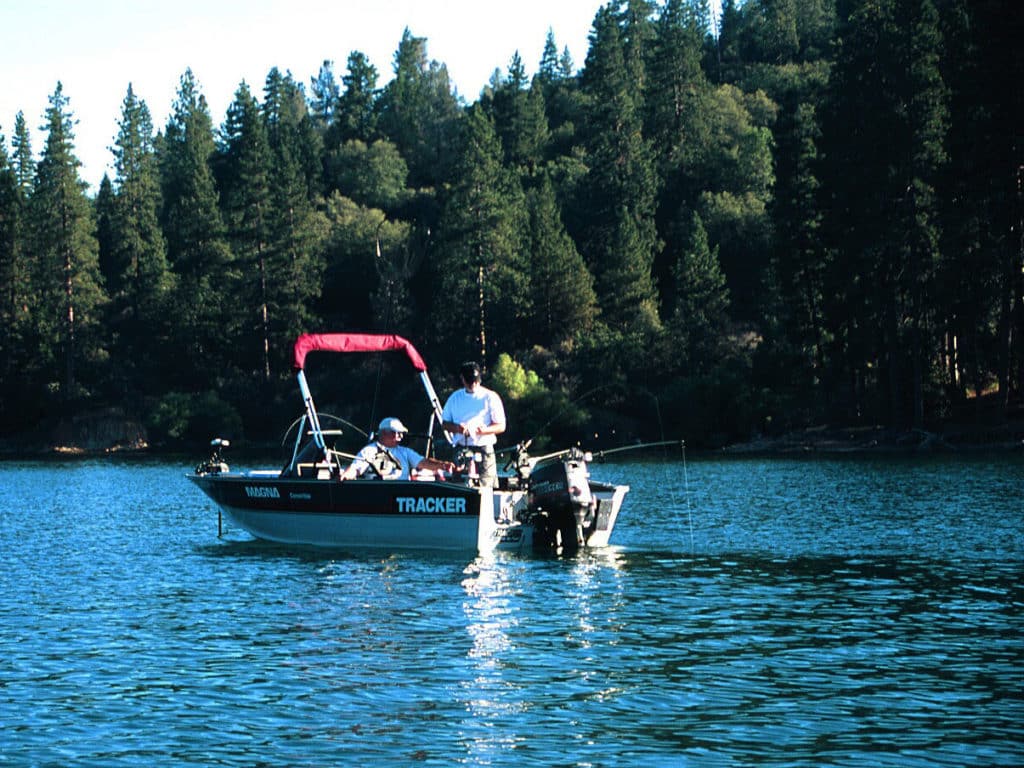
point(392, 425)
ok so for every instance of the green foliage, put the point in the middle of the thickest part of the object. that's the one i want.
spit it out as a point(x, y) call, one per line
point(698, 318)
point(418, 112)
point(373, 175)
point(364, 287)
point(138, 276)
point(197, 247)
point(192, 417)
point(356, 117)
point(483, 265)
point(513, 381)
point(622, 239)
point(563, 300)
point(813, 215)
point(24, 165)
point(67, 295)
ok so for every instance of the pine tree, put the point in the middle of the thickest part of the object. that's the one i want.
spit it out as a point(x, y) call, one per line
point(798, 264)
point(357, 113)
point(197, 248)
point(12, 268)
point(67, 286)
point(563, 300)
point(483, 270)
point(24, 165)
point(325, 97)
point(419, 113)
point(566, 66)
point(770, 32)
point(727, 62)
point(677, 82)
point(138, 275)
point(928, 126)
point(886, 147)
point(16, 350)
point(547, 71)
point(10, 215)
point(246, 205)
point(103, 207)
point(621, 240)
point(675, 120)
point(638, 34)
point(520, 119)
point(982, 202)
point(558, 90)
point(701, 299)
point(296, 228)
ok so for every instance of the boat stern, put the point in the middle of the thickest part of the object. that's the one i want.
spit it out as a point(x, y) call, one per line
point(567, 509)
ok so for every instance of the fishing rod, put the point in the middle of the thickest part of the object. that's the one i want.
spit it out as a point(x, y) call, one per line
point(527, 443)
point(602, 454)
point(637, 446)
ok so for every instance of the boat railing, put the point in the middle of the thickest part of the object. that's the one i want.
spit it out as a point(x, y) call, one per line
point(332, 465)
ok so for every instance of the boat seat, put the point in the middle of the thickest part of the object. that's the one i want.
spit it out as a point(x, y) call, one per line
point(319, 470)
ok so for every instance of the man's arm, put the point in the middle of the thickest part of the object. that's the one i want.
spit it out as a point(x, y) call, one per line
point(431, 464)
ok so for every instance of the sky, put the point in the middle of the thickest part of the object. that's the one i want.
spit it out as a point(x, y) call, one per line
point(95, 48)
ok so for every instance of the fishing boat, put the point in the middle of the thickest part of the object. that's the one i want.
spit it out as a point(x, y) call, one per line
point(546, 502)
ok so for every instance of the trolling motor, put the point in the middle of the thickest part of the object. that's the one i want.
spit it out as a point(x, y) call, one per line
point(215, 464)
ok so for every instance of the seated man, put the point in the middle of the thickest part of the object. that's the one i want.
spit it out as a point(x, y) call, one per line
point(389, 459)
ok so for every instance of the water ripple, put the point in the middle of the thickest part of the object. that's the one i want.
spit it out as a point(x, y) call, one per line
point(771, 613)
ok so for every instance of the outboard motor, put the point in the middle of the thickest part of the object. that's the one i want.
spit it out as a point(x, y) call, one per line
point(565, 510)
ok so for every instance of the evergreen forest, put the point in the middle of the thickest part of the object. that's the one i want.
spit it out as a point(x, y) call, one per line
point(800, 213)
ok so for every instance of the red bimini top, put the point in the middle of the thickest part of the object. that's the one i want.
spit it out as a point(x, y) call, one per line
point(353, 342)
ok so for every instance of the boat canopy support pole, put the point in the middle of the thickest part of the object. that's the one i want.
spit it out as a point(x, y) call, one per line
point(314, 419)
point(435, 403)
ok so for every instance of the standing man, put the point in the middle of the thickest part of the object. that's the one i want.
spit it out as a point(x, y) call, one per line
point(475, 415)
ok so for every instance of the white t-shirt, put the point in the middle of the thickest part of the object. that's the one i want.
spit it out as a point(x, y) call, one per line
point(482, 407)
point(407, 457)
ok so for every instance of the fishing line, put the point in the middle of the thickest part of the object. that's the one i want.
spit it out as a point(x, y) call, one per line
point(686, 479)
point(387, 327)
point(686, 492)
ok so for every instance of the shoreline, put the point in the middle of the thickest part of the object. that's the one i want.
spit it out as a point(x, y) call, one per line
point(882, 440)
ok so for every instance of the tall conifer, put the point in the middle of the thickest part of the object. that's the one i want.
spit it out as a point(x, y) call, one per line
point(296, 228)
point(419, 112)
point(246, 203)
point(324, 96)
point(68, 288)
point(621, 240)
point(886, 146)
point(13, 285)
point(139, 278)
point(564, 305)
point(24, 165)
point(196, 243)
point(357, 110)
point(483, 266)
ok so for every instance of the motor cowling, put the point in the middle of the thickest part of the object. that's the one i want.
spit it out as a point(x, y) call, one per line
point(562, 501)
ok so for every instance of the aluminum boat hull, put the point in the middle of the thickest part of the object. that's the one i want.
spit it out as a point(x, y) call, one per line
point(386, 514)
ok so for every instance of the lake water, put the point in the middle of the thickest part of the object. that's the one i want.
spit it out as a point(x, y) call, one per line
point(847, 612)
